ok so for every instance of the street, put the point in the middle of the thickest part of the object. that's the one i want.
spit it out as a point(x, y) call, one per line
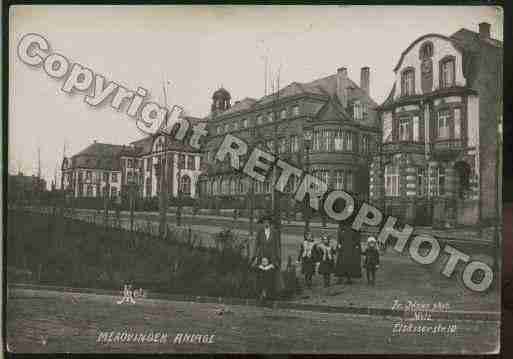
point(47, 321)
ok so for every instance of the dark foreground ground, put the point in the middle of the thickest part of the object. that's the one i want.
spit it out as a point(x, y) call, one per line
point(46, 321)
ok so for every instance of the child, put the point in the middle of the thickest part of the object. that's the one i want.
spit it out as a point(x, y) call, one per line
point(128, 295)
point(307, 258)
point(371, 263)
point(327, 258)
point(265, 278)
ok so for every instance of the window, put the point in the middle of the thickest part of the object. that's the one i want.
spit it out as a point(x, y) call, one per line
point(148, 186)
point(181, 161)
point(349, 141)
point(235, 126)
point(426, 51)
point(322, 175)
point(391, 181)
point(130, 164)
point(421, 182)
point(233, 186)
point(190, 162)
point(185, 185)
point(114, 177)
point(339, 180)
point(259, 119)
point(339, 141)
point(415, 128)
point(440, 181)
point(387, 127)
point(283, 145)
point(404, 129)
point(447, 73)
point(245, 123)
point(269, 144)
point(443, 124)
point(226, 186)
point(227, 127)
point(408, 82)
point(240, 185)
point(294, 144)
point(113, 192)
point(295, 110)
point(88, 176)
point(89, 190)
point(283, 114)
point(457, 123)
point(358, 110)
point(316, 141)
point(365, 144)
point(349, 181)
point(148, 165)
point(270, 116)
point(106, 176)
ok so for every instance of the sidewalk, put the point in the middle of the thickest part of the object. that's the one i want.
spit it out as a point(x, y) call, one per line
point(459, 234)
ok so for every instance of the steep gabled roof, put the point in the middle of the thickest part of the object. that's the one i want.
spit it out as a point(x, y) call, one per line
point(325, 87)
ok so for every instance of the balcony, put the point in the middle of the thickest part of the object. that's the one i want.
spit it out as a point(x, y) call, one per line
point(447, 147)
point(403, 146)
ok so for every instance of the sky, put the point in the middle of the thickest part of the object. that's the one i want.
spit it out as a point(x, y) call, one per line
point(197, 49)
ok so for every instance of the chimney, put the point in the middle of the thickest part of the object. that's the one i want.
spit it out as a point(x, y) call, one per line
point(342, 86)
point(364, 79)
point(484, 31)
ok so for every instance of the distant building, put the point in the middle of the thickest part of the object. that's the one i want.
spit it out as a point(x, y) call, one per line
point(24, 188)
point(438, 156)
point(107, 170)
point(337, 115)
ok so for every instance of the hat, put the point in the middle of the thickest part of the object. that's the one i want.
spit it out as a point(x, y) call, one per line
point(371, 240)
point(265, 217)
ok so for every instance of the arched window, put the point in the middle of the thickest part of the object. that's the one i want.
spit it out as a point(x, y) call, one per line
point(426, 50)
point(185, 185)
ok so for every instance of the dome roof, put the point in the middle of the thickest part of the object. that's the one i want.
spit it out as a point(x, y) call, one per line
point(221, 93)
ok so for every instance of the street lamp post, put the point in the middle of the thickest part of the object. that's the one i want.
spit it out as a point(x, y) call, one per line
point(306, 212)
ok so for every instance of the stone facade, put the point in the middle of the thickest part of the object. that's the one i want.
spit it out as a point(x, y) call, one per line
point(337, 117)
point(438, 153)
point(105, 169)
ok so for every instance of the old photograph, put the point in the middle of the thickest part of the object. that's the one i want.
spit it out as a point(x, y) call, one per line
point(254, 179)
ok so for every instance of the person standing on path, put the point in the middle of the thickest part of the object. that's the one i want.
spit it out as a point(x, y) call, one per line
point(350, 266)
point(371, 262)
point(327, 259)
point(308, 257)
point(266, 245)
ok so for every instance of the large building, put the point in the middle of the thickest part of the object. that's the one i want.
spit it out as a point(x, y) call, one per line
point(328, 127)
point(110, 170)
point(438, 159)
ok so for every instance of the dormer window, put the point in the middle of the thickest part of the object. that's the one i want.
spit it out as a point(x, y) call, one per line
point(408, 82)
point(426, 51)
point(283, 114)
point(295, 110)
point(447, 72)
point(359, 111)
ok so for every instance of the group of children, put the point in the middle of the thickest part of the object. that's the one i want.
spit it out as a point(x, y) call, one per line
point(325, 259)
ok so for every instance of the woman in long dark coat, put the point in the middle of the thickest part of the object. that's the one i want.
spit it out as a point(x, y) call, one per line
point(349, 265)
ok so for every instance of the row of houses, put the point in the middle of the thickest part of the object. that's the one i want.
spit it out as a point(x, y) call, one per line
point(427, 154)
